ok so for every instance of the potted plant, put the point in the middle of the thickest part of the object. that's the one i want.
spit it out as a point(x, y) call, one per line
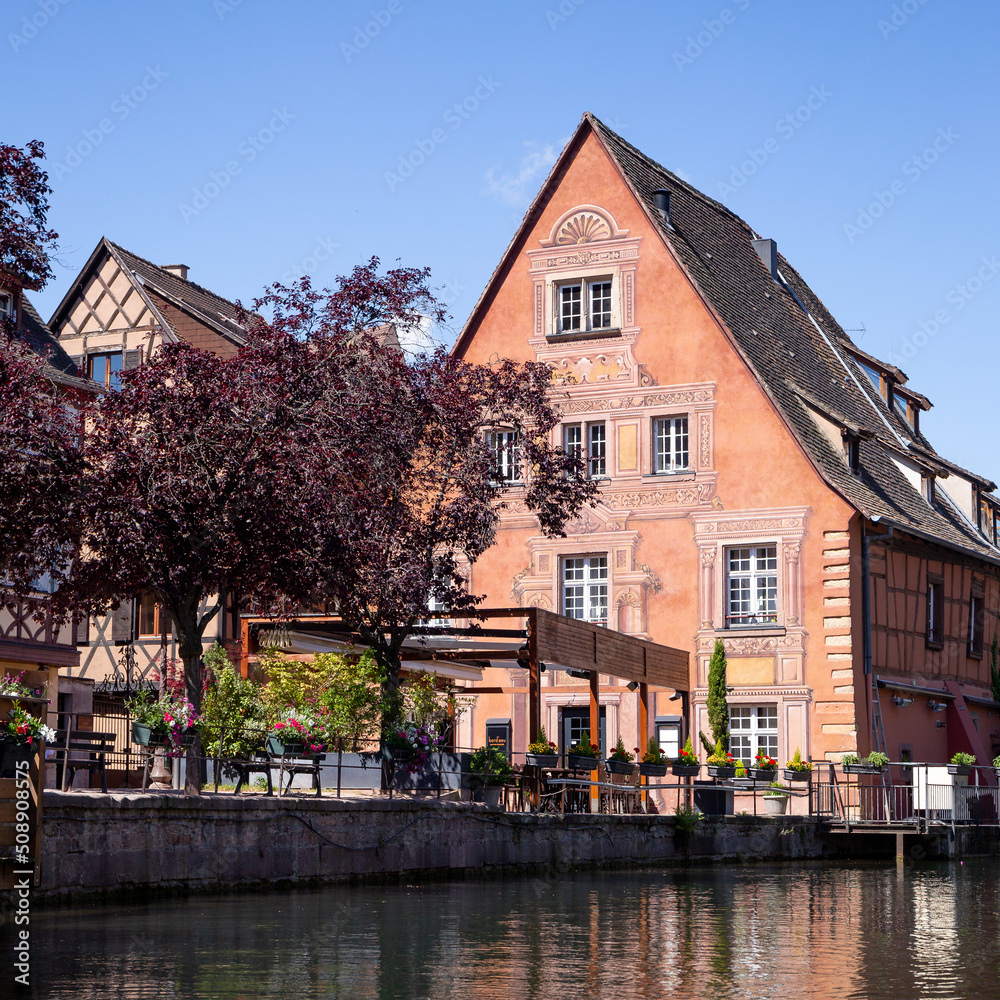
point(874, 763)
point(21, 738)
point(654, 761)
point(686, 765)
point(798, 769)
point(411, 745)
point(996, 766)
point(776, 799)
point(721, 763)
point(13, 686)
point(168, 722)
point(297, 734)
point(582, 755)
point(543, 752)
point(490, 769)
point(764, 768)
point(961, 763)
point(620, 760)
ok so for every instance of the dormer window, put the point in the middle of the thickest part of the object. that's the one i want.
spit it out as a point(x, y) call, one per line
point(874, 376)
point(852, 452)
point(6, 306)
point(927, 487)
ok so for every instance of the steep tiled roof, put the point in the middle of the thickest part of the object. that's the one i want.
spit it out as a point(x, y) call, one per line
point(206, 305)
point(796, 350)
point(42, 341)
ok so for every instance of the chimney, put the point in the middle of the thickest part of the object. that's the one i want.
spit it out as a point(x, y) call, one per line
point(661, 202)
point(178, 270)
point(767, 250)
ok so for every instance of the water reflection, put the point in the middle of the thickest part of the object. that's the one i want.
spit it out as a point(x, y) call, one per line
point(725, 932)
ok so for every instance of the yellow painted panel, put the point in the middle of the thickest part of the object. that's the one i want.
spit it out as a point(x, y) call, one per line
point(746, 671)
point(628, 448)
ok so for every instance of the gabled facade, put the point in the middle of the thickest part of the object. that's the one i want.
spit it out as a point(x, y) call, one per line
point(118, 312)
point(764, 481)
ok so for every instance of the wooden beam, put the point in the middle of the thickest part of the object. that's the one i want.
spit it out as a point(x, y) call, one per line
point(595, 732)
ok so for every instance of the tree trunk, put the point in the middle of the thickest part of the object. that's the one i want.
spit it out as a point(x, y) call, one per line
point(189, 646)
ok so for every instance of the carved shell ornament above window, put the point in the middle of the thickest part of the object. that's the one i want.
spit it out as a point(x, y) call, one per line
point(583, 228)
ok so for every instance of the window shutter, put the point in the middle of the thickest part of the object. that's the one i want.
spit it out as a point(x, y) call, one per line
point(132, 359)
point(121, 623)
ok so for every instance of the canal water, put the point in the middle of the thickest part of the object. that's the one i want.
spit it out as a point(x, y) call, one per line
point(806, 930)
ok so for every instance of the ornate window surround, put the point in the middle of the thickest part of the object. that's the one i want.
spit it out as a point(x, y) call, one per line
point(585, 244)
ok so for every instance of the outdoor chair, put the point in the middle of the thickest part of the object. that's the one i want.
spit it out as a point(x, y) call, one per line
point(77, 741)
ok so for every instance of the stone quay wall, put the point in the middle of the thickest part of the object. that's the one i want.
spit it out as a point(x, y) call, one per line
point(102, 845)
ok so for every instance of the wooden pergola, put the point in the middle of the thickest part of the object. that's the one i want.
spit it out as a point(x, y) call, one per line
point(554, 640)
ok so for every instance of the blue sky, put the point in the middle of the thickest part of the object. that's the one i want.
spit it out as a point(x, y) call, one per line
point(257, 140)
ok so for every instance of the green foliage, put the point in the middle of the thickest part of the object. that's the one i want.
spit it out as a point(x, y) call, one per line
point(353, 699)
point(686, 819)
point(718, 707)
point(620, 753)
point(996, 762)
point(294, 683)
point(654, 754)
point(583, 747)
point(798, 764)
point(542, 744)
point(877, 759)
point(741, 770)
point(490, 766)
point(234, 715)
point(850, 758)
point(721, 757)
point(963, 759)
point(706, 743)
point(776, 789)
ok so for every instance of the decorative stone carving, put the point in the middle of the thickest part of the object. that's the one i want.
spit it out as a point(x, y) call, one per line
point(586, 227)
point(693, 495)
point(584, 370)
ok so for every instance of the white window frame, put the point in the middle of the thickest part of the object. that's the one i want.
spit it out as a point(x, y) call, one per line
point(676, 456)
point(584, 587)
point(585, 315)
point(505, 451)
point(595, 434)
point(759, 570)
point(753, 729)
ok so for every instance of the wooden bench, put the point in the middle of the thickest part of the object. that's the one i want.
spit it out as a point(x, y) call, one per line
point(94, 745)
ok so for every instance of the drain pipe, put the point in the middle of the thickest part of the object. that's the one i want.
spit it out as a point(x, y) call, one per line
point(866, 619)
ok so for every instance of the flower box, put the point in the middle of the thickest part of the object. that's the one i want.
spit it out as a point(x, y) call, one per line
point(144, 736)
point(965, 769)
point(721, 771)
point(12, 754)
point(619, 766)
point(791, 775)
point(653, 770)
point(282, 749)
point(577, 763)
point(863, 768)
point(687, 770)
point(542, 759)
point(768, 774)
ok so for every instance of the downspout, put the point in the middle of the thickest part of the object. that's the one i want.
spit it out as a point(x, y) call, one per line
point(866, 624)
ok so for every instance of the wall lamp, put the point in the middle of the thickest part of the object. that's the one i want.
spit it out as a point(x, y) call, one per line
point(941, 724)
point(901, 702)
point(676, 696)
point(632, 685)
point(936, 706)
point(574, 672)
